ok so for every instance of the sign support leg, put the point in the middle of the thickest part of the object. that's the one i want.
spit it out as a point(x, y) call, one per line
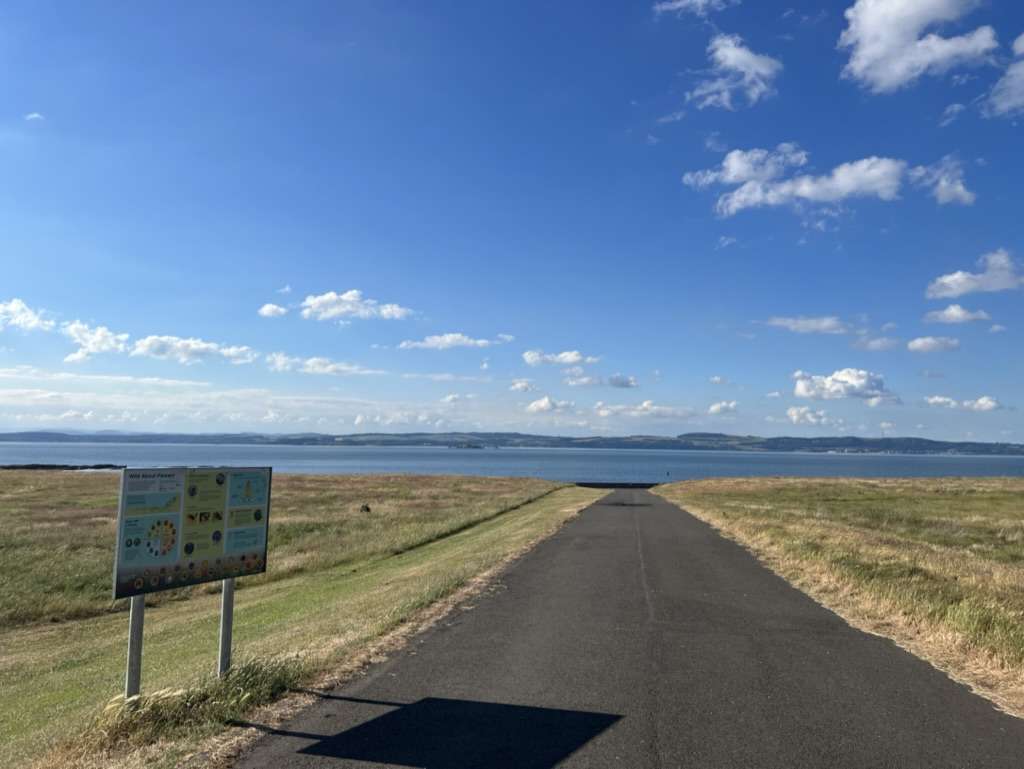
point(136, 615)
point(227, 615)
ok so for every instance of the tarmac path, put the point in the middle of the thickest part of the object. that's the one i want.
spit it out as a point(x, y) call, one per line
point(638, 637)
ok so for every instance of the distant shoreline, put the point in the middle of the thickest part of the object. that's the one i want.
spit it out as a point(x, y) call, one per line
point(684, 442)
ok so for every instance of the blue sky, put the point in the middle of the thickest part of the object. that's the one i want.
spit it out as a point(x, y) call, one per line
point(773, 218)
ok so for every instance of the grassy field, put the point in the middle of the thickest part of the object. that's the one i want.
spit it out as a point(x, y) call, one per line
point(339, 580)
point(57, 531)
point(936, 564)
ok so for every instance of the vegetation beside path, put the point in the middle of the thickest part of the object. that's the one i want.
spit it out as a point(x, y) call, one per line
point(341, 579)
point(937, 564)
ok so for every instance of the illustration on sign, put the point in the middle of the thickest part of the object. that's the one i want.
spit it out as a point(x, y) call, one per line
point(184, 526)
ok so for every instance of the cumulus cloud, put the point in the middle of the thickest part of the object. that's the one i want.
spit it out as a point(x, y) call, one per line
point(1007, 96)
point(622, 381)
point(740, 166)
point(33, 116)
point(933, 344)
point(16, 314)
point(737, 73)
point(548, 405)
point(805, 415)
point(828, 324)
point(279, 361)
point(722, 407)
point(92, 341)
point(984, 403)
point(450, 340)
point(351, 304)
point(889, 47)
point(191, 350)
point(567, 358)
point(522, 386)
point(844, 383)
point(270, 310)
point(757, 173)
point(697, 7)
point(955, 314)
point(718, 380)
point(998, 273)
point(946, 181)
point(576, 376)
point(647, 408)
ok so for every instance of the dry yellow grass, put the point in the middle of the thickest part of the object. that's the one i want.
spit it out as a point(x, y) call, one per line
point(351, 578)
point(935, 564)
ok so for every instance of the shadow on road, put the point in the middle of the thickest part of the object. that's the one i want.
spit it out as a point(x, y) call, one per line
point(436, 733)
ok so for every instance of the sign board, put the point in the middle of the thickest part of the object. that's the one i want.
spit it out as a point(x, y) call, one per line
point(180, 526)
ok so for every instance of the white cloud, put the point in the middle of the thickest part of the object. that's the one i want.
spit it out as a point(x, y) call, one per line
point(32, 116)
point(698, 7)
point(351, 304)
point(567, 358)
point(522, 386)
point(672, 117)
point(645, 409)
point(889, 48)
point(92, 341)
point(984, 403)
point(740, 166)
point(757, 173)
point(844, 383)
point(886, 427)
point(548, 405)
point(773, 394)
point(955, 314)
point(876, 344)
point(279, 361)
point(15, 313)
point(451, 398)
point(722, 407)
point(737, 71)
point(946, 180)
point(270, 310)
point(35, 374)
point(326, 366)
point(191, 350)
point(950, 114)
point(622, 381)
point(448, 341)
point(997, 328)
point(933, 344)
point(718, 380)
point(805, 415)
point(1007, 96)
point(285, 289)
point(724, 241)
point(828, 324)
point(576, 376)
point(999, 273)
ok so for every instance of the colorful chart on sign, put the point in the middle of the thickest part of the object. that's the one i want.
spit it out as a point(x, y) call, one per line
point(183, 526)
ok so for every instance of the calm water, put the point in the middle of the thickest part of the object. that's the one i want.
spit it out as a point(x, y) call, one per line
point(604, 465)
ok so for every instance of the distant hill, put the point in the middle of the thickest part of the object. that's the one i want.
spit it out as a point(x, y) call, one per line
point(686, 441)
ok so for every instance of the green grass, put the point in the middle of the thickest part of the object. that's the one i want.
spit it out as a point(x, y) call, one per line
point(55, 677)
point(945, 556)
point(57, 531)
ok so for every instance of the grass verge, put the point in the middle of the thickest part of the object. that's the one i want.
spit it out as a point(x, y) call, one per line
point(55, 677)
point(935, 564)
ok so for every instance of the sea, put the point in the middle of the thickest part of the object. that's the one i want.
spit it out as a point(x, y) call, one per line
point(573, 465)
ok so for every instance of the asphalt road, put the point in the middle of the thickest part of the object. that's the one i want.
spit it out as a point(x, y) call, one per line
point(637, 637)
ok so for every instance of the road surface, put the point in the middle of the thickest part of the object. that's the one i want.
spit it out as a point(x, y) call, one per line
point(638, 637)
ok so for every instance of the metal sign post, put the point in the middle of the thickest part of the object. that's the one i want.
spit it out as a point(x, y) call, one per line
point(136, 616)
point(227, 615)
